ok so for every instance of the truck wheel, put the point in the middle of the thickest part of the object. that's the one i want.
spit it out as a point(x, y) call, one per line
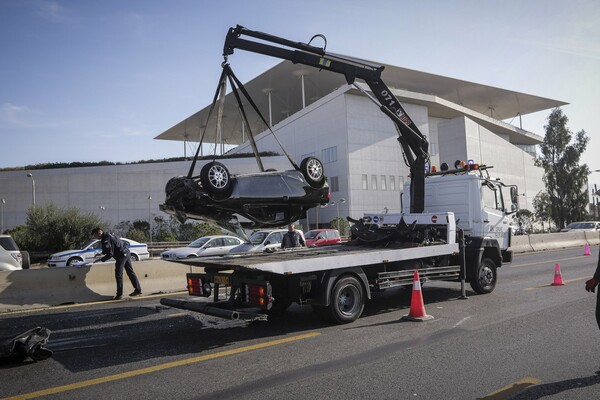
point(347, 300)
point(484, 279)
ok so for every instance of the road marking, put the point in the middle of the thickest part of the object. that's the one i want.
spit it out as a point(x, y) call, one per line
point(100, 302)
point(512, 389)
point(177, 315)
point(546, 262)
point(160, 367)
point(565, 281)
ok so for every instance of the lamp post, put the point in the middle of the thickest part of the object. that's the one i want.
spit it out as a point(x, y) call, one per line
point(102, 208)
point(2, 203)
point(594, 195)
point(149, 219)
point(30, 175)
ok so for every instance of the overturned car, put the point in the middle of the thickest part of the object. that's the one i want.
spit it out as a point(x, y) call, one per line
point(266, 199)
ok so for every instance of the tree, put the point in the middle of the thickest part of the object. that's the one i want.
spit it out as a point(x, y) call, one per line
point(49, 228)
point(341, 225)
point(565, 179)
point(542, 208)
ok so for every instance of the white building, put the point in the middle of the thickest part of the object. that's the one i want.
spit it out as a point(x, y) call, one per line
point(314, 113)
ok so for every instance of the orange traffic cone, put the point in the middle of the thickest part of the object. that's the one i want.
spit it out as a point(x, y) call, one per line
point(417, 307)
point(557, 277)
point(587, 250)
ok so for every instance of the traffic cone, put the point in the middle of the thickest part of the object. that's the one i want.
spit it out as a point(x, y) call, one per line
point(587, 250)
point(557, 277)
point(417, 307)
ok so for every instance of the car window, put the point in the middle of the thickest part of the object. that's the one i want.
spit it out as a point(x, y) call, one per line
point(218, 242)
point(90, 242)
point(232, 241)
point(258, 237)
point(199, 242)
point(97, 245)
point(8, 244)
point(311, 234)
point(275, 237)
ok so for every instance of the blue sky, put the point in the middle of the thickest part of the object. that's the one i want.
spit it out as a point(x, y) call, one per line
point(98, 80)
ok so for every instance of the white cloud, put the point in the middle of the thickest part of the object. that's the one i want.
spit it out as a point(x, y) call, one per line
point(17, 116)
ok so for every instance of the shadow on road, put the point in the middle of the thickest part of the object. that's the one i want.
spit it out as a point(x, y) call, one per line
point(549, 389)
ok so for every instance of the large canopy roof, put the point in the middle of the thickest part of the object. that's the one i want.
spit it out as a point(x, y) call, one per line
point(283, 83)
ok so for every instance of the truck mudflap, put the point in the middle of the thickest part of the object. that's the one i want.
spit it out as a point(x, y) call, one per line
point(215, 310)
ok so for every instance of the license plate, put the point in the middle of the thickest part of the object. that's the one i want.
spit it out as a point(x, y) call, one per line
point(221, 279)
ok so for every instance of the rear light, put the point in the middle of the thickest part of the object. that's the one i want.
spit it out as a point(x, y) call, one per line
point(198, 286)
point(18, 257)
point(259, 294)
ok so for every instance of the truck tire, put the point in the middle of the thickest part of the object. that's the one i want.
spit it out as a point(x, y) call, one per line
point(485, 276)
point(347, 300)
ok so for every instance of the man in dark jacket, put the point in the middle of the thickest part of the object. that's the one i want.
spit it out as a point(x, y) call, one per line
point(114, 247)
point(292, 238)
point(590, 286)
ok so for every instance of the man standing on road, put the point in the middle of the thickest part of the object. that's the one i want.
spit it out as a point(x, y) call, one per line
point(114, 247)
point(590, 286)
point(292, 238)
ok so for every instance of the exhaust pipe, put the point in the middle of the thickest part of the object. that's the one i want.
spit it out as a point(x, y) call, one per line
point(202, 308)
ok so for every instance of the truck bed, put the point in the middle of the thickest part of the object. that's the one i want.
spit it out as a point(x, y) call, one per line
point(303, 260)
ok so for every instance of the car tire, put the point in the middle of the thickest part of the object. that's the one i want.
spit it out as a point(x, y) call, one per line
point(313, 172)
point(72, 260)
point(25, 260)
point(134, 257)
point(215, 178)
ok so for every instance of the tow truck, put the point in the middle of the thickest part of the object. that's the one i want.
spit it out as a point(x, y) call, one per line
point(385, 250)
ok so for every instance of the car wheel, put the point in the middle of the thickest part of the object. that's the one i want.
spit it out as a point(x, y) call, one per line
point(313, 171)
point(134, 257)
point(73, 260)
point(25, 260)
point(215, 177)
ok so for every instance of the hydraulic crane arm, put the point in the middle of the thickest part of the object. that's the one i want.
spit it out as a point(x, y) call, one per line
point(413, 142)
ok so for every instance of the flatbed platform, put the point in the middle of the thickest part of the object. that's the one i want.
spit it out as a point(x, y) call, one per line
point(303, 260)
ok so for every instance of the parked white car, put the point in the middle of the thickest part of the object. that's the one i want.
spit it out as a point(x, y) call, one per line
point(264, 240)
point(585, 226)
point(93, 248)
point(206, 246)
point(11, 258)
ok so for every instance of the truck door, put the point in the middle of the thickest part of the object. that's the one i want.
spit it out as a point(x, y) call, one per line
point(495, 224)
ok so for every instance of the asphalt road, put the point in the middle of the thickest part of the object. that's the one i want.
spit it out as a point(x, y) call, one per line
point(526, 340)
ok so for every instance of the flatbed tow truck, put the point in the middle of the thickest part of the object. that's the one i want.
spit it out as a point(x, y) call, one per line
point(428, 237)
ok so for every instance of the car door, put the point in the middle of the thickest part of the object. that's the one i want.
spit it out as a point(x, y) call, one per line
point(214, 247)
point(274, 240)
point(93, 250)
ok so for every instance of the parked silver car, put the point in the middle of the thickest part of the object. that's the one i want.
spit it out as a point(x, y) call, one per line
point(585, 226)
point(206, 246)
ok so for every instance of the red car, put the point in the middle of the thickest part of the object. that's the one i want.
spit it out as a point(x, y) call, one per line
point(322, 237)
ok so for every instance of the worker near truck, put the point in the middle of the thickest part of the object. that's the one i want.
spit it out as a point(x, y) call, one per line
point(292, 238)
point(116, 248)
point(590, 286)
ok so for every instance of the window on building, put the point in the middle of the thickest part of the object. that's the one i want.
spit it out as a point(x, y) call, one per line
point(373, 182)
point(433, 149)
point(365, 184)
point(333, 184)
point(329, 155)
point(400, 182)
point(383, 183)
point(392, 183)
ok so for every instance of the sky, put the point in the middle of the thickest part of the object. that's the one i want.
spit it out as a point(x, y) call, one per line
point(84, 80)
